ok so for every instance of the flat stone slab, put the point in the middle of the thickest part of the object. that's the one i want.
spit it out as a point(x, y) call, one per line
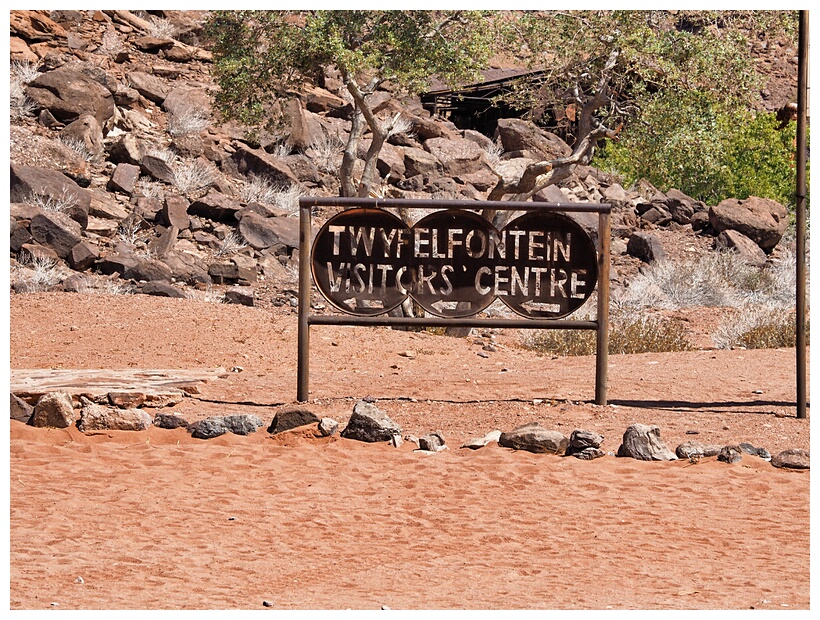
point(157, 385)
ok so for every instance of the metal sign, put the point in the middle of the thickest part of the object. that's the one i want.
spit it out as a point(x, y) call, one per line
point(454, 263)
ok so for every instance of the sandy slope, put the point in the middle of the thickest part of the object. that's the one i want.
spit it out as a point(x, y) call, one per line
point(156, 519)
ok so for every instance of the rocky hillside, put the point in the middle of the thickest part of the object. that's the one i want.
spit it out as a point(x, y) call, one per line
point(122, 179)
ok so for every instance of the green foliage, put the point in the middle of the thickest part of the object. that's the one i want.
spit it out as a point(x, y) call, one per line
point(707, 151)
point(681, 83)
point(261, 55)
point(670, 52)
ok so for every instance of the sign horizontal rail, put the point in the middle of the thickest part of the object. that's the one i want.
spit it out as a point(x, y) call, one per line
point(472, 205)
point(395, 321)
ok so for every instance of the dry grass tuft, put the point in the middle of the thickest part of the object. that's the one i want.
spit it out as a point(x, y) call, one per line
point(65, 201)
point(628, 333)
point(326, 153)
point(188, 120)
point(194, 176)
point(231, 244)
point(759, 327)
point(37, 273)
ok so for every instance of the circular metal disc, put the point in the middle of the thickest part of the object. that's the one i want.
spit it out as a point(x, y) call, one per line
point(360, 261)
point(550, 267)
point(449, 250)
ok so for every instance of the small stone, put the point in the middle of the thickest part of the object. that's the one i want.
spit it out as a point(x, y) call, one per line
point(480, 442)
point(79, 580)
point(370, 424)
point(53, 409)
point(328, 427)
point(693, 432)
point(793, 458)
point(267, 603)
point(434, 442)
point(396, 441)
point(410, 354)
point(482, 354)
point(385, 607)
point(290, 418)
point(588, 454)
point(169, 421)
point(643, 442)
point(730, 454)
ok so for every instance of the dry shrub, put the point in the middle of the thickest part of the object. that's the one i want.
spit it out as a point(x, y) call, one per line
point(628, 333)
point(188, 120)
point(161, 28)
point(37, 273)
point(717, 279)
point(231, 244)
point(326, 153)
point(759, 327)
point(261, 189)
point(47, 202)
point(111, 44)
point(99, 285)
point(192, 177)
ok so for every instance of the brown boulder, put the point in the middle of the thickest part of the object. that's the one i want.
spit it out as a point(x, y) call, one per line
point(52, 187)
point(761, 219)
point(57, 231)
point(419, 161)
point(269, 232)
point(749, 251)
point(520, 135)
point(53, 409)
point(124, 178)
point(68, 93)
point(149, 86)
point(249, 161)
point(101, 418)
point(86, 130)
point(793, 458)
point(533, 437)
point(458, 156)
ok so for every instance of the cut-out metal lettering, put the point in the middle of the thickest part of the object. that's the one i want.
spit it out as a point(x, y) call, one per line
point(454, 263)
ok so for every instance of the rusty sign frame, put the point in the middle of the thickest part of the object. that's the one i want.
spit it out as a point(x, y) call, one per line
point(306, 319)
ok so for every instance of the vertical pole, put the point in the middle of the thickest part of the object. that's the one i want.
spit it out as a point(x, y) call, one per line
point(602, 341)
point(802, 107)
point(303, 353)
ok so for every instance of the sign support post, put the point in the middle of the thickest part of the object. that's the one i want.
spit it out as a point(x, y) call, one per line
point(459, 236)
point(602, 341)
point(303, 359)
point(800, 207)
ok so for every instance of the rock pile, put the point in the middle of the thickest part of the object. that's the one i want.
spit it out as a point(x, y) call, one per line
point(119, 168)
point(370, 424)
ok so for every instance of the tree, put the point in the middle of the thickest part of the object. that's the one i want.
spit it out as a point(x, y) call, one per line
point(261, 55)
point(605, 74)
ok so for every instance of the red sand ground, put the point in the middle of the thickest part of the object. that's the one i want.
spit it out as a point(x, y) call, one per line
point(159, 520)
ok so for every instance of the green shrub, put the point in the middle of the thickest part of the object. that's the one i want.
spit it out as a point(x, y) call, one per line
point(707, 151)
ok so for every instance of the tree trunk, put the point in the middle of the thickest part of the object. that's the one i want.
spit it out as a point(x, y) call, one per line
point(346, 180)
